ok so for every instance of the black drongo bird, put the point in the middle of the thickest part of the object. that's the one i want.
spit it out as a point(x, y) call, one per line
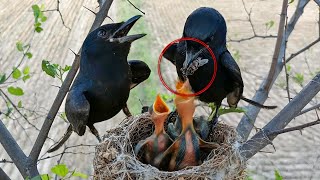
point(194, 62)
point(101, 88)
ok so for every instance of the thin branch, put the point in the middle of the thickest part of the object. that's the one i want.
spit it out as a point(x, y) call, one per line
point(3, 175)
point(36, 149)
point(60, 14)
point(20, 62)
point(249, 17)
point(284, 59)
point(281, 120)
point(277, 49)
point(136, 7)
point(244, 127)
point(13, 149)
point(255, 35)
point(251, 37)
point(281, 131)
point(16, 108)
point(303, 49)
point(309, 109)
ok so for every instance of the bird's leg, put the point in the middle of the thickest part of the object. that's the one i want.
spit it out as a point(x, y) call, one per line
point(95, 132)
point(126, 111)
point(213, 122)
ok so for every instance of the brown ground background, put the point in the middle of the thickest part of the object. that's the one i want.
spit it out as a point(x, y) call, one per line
point(296, 157)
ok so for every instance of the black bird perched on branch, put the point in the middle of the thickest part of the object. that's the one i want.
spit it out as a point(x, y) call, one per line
point(194, 62)
point(101, 89)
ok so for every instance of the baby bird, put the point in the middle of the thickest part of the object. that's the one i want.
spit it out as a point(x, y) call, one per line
point(159, 141)
point(185, 150)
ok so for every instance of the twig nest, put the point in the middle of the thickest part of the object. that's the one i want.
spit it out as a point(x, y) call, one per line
point(115, 158)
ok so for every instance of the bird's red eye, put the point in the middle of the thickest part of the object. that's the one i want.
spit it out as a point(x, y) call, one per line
point(102, 33)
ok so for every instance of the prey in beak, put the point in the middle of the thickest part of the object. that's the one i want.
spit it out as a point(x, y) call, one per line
point(192, 61)
point(121, 34)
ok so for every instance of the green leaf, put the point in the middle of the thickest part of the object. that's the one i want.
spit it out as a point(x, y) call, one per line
point(26, 70)
point(48, 68)
point(288, 68)
point(230, 110)
point(167, 97)
point(29, 55)
point(60, 170)
point(291, 1)
point(63, 116)
point(43, 18)
point(41, 177)
point(38, 24)
point(17, 91)
point(36, 12)
point(79, 174)
point(38, 29)
point(298, 78)
point(19, 46)
point(19, 104)
point(277, 175)
point(66, 68)
point(269, 24)
point(26, 77)
point(236, 55)
point(16, 74)
point(2, 78)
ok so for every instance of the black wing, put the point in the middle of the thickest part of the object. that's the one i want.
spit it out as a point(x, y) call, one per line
point(233, 72)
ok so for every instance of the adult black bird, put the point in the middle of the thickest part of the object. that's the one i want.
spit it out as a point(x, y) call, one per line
point(195, 63)
point(101, 88)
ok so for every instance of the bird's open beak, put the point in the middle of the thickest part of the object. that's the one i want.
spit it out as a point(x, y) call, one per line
point(121, 36)
point(159, 114)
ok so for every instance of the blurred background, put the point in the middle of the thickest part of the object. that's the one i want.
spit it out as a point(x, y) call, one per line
point(297, 154)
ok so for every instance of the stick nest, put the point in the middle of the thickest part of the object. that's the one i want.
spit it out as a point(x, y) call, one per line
point(115, 158)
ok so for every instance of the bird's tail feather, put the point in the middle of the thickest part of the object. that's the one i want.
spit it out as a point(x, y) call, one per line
point(257, 104)
point(62, 140)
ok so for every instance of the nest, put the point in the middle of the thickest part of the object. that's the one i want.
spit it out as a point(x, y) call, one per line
point(115, 158)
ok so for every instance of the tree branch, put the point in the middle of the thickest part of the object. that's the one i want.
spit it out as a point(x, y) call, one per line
point(281, 120)
point(13, 149)
point(303, 49)
point(36, 149)
point(3, 175)
point(281, 131)
point(309, 109)
point(245, 126)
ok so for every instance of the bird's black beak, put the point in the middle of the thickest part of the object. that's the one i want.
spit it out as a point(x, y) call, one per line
point(120, 35)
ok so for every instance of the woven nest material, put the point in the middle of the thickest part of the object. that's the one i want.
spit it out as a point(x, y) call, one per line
point(115, 158)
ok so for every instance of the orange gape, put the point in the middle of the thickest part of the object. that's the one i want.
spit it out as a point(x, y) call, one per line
point(185, 150)
point(159, 141)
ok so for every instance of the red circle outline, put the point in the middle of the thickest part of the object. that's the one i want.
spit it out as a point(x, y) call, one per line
point(213, 58)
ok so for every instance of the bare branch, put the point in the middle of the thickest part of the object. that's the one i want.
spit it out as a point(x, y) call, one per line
point(136, 7)
point(281, 131)
point(255, 35)
point(251, 37)
point(244, 127)
point(60, 14)
point(13, 149)
point(16, 108)
point(303, 49)
point(36, 149)
point(281, 120)
point(3, 175)
point(285, 61)
point(309, 109)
